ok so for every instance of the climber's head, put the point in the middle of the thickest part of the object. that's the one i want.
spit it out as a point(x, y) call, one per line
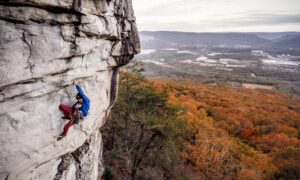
point(79, 98)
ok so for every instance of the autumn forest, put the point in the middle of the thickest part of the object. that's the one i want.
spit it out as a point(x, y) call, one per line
point(163, 128)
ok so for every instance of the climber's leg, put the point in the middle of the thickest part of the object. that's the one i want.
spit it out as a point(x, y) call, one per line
point(67, 110)
point(67, 126)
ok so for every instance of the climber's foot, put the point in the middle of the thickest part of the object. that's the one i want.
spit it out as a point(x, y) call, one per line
point(60, 137)
point(64, 117)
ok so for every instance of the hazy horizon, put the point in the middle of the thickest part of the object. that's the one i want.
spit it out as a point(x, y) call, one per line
point(218, 15)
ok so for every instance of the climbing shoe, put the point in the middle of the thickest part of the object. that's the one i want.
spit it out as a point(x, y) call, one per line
point(60, 137)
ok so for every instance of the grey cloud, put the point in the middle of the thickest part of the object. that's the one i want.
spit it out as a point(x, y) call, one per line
point(198, 15)
point(264, 19)
point(247, 20)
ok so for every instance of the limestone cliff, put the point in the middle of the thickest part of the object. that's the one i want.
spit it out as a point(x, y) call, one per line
point(45, 47)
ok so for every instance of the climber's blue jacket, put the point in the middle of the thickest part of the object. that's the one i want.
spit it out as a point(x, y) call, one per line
point(86, 101)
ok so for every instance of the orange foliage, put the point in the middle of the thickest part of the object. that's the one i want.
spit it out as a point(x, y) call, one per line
point(246, 113)
point(266, 121)
point(273, 142)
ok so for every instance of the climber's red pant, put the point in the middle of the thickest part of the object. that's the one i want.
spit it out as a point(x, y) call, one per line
point(67, 126)
point(67, 110)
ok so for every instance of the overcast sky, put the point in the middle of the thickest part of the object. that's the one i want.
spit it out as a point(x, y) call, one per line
point(218, 15)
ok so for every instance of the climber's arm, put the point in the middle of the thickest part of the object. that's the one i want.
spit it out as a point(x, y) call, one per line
point(80, 91)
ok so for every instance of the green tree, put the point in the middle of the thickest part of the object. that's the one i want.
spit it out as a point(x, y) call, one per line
point(143, 130)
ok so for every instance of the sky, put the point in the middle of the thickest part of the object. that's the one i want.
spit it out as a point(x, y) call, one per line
point(218, 15)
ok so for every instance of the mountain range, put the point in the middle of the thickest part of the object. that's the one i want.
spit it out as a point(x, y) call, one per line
point(172, 39)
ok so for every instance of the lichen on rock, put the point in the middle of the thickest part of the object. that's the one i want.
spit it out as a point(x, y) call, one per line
point(45, 47)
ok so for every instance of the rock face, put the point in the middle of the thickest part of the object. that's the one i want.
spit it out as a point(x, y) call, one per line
point(46, 46)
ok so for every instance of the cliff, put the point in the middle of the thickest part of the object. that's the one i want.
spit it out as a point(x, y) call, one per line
point(46, 46)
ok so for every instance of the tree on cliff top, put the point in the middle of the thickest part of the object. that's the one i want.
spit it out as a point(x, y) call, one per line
point(143, 131)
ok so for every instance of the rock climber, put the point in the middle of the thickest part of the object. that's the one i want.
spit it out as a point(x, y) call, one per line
point(75, 113)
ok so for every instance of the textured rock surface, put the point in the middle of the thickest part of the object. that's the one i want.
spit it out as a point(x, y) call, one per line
point(45, 47)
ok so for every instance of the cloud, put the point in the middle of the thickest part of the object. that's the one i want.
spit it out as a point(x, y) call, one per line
point(229, 24)
point(213, 15)
point(268, 19)
point(257, 20)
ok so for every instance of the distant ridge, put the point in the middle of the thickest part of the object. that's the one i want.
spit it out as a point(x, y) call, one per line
point(171, 39)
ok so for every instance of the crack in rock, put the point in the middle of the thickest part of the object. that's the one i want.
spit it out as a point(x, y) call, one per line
point(49, 8)
point(30, 64)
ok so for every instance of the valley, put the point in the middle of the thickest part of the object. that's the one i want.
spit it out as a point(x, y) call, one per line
point(271, 59)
